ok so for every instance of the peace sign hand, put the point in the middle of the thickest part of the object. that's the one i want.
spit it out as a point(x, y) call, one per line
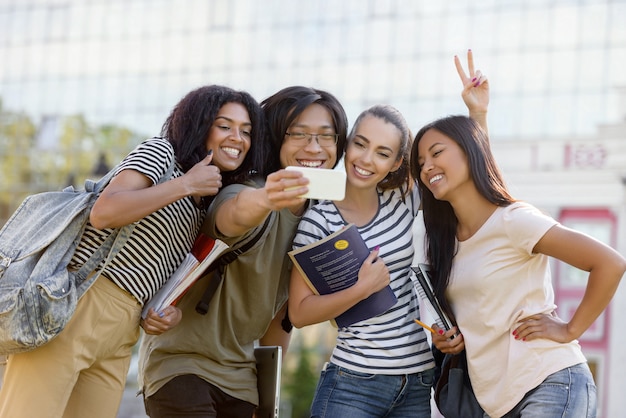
point(475, 86)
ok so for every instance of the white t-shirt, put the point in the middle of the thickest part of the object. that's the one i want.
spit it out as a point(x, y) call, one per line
point(496, 280)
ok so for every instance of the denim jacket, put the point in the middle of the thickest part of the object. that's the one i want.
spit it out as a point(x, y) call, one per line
point(38, 294)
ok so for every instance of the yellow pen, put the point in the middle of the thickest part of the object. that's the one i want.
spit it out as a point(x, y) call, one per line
point(425, 326)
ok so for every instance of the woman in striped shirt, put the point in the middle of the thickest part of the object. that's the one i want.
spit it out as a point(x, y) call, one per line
point(382, 365)
point(82, 372)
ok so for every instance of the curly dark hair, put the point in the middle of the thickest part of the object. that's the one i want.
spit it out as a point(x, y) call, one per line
point(187, 128)
point(283, 107)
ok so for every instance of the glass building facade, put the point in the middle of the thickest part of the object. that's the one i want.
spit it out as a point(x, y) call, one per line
point(554, 64)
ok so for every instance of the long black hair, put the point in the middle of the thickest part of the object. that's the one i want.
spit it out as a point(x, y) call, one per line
point(283, 107)
point(439, 218)
point(187, 128)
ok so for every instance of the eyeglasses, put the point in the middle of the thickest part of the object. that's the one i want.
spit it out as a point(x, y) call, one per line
point(302, 138)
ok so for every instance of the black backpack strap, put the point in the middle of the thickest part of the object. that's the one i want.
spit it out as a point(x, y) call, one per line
point(218, 265)
point(286, 324)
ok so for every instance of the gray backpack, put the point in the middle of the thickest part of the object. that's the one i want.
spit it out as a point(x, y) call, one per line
point(38, 294)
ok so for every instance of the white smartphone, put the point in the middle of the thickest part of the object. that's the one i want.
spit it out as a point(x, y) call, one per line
point(324, 183)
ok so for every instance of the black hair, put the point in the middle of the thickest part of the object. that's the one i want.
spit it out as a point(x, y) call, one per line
point(439, 218)
point(283, 107)
point(187, 128)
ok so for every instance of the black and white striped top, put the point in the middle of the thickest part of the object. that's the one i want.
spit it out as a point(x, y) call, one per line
point(390, 343)
point(159, 241)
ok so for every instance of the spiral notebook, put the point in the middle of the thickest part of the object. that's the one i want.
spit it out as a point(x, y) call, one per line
point(424, 288)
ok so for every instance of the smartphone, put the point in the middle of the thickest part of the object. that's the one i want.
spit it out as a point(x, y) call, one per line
point(324, 183)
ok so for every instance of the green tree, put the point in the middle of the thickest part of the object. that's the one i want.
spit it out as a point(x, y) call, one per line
point(17, 133)
point(62, 150)
point(300, 384)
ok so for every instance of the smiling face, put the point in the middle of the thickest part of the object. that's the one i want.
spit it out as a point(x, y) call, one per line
point(443, 165)
point(229, 136)
point(372, 152)
point(315, 119)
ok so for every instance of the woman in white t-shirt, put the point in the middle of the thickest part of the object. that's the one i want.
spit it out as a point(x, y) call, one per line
point(490, 257)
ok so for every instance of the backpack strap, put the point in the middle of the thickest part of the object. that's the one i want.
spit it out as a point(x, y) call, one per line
point(218, 265)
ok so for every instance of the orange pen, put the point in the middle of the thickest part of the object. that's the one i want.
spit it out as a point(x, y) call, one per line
point(425, 326)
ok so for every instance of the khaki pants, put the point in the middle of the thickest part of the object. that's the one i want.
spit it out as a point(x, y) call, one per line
point(82, 372)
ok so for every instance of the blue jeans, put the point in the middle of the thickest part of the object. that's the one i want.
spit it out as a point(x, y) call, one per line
point(348, 394)
point(568, 393)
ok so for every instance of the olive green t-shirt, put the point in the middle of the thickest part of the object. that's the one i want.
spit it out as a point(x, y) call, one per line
point(219, 346)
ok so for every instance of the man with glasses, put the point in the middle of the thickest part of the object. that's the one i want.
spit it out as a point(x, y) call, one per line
point(205, 366)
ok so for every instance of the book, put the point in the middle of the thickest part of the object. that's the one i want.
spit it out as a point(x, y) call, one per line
point(424, 287)
point(205, 251)
point(332, 264)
